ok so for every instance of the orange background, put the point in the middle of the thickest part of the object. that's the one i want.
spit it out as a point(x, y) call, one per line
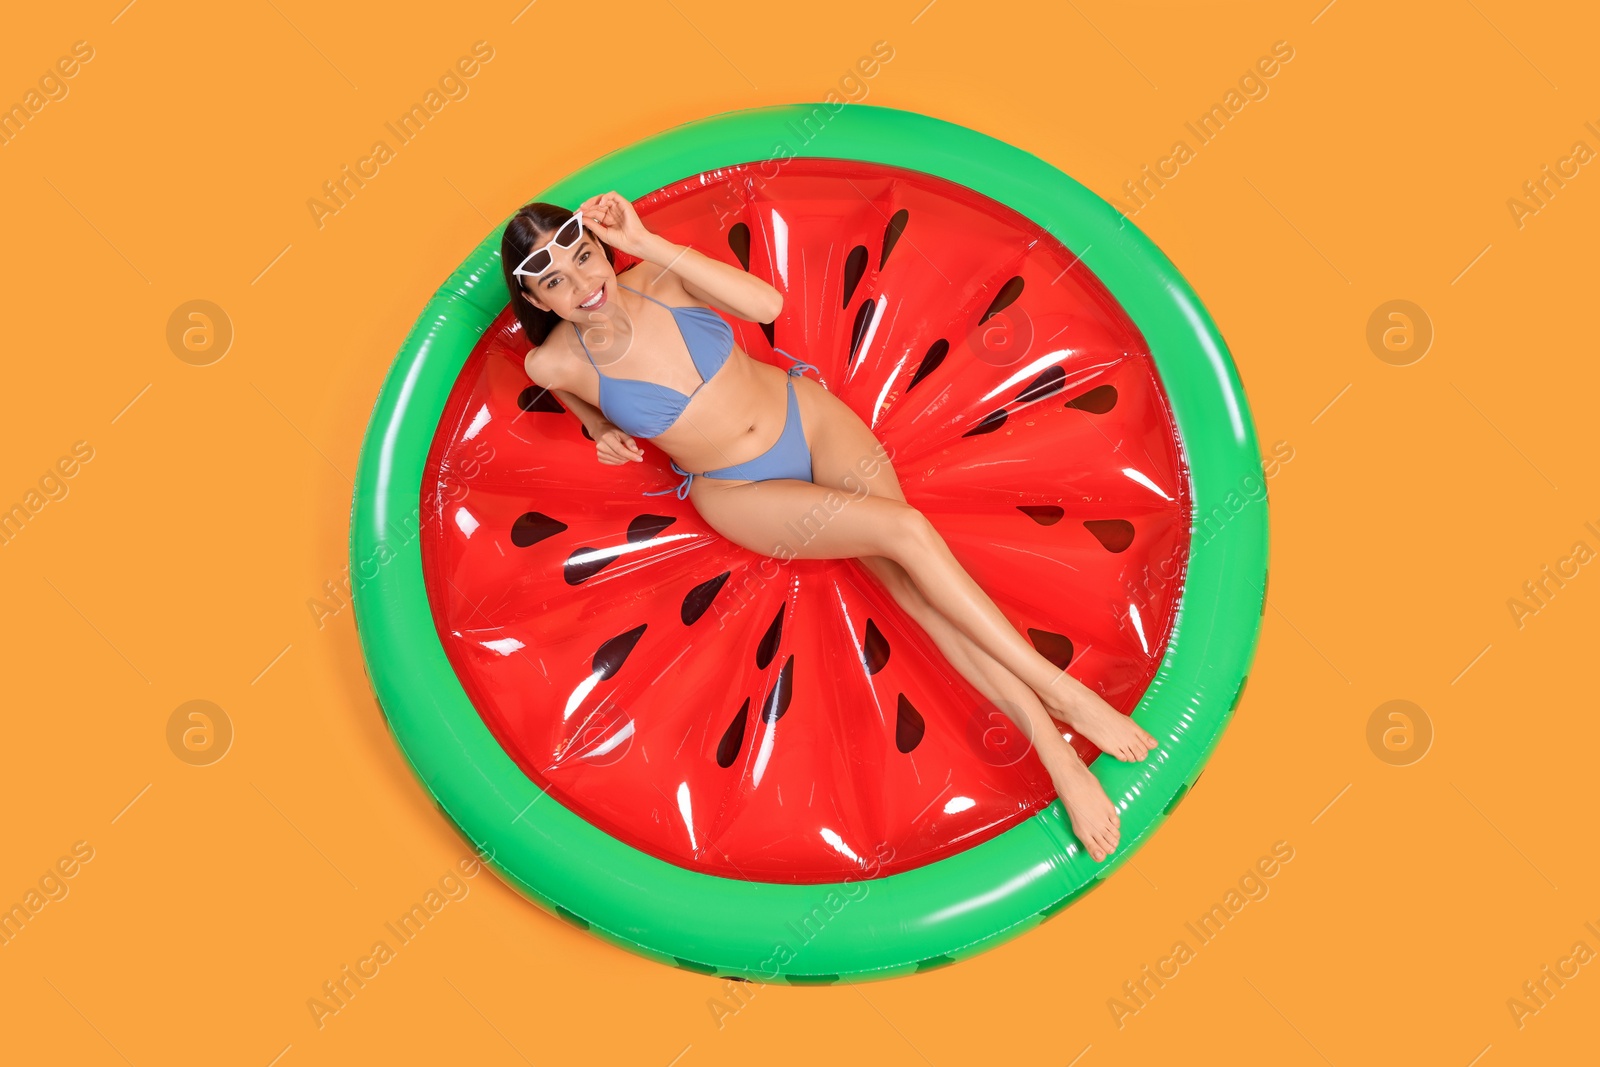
point(180, 562)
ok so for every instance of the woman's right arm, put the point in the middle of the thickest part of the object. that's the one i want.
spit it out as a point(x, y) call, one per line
point(540, 369)
point(593, 418)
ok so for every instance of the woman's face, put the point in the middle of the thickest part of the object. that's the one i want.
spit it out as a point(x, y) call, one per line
point(578, 274)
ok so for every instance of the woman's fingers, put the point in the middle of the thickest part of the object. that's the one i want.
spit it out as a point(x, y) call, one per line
point(610, 208)
point(616, 447)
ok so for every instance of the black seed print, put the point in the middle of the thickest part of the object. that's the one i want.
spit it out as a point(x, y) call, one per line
point(1046, 384)
point(585, 563)
point(1096, 401)
point(777, 701)
point(536, 398)
point(733, 737)
point(908, 726)
point(1043, 514)
point(855, 265)
point(811, 979)
point(644, 527)
point(1003, 299)
point(739, 243)
point(609, 657)
point(891, 235)
point(700, 598)
point(858, 332)
point(769, 641)
point(930, 362)
point(1068, 899)
point(769, 330)
point(1179, 795)
point(874, 649)
point(1056, 648)
point(691, 965)
point(991, 422)
point(533, 527)
point(1115, 534)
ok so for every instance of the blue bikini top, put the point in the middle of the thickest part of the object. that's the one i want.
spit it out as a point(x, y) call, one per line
point(645, 409)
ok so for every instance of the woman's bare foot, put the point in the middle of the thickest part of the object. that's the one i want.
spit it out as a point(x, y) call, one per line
point(1094, 818)
point(1083, 709)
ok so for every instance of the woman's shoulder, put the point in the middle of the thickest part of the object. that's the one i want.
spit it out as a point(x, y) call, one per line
point(549, 364)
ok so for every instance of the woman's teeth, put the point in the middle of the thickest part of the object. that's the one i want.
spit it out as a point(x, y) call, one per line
point(595, 299)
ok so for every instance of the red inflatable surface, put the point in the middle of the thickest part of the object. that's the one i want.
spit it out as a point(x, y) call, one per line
point(787, 722)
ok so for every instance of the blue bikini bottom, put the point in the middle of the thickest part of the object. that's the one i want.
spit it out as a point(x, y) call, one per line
point(789, 456)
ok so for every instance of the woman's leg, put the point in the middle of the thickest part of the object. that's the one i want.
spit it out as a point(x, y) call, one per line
point(1094, 818)
point(846, 455)
point(789, 519)
point(1129, 743)
point(940, 578)
point(998, 685)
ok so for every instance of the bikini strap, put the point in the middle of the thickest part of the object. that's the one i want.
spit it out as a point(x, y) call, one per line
point(646, 295)
point(592, 363)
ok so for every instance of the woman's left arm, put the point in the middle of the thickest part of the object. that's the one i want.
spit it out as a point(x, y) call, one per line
point(726, 288)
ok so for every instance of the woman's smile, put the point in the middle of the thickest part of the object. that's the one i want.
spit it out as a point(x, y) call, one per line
point(596, 298)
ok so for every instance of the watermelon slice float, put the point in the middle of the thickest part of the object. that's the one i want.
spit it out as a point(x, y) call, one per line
point(765, 769)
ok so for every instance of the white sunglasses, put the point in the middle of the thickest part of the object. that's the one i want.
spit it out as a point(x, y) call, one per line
point(539, 260)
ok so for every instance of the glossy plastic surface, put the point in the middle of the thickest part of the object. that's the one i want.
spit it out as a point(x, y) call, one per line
point(923, 917)
point(787, 721)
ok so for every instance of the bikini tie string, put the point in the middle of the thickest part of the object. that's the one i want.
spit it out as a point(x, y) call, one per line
point(682, 488)
point(800, 366)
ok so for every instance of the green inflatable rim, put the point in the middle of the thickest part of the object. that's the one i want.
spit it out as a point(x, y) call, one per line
point(910, 921)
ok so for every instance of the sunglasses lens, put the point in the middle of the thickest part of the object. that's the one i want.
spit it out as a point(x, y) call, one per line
point(569, 233)
point(538, 262)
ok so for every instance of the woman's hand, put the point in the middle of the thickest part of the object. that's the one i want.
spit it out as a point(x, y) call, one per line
point(614, 447)
point(615, 222)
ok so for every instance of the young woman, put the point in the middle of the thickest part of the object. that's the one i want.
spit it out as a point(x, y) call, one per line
point(643, 355)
